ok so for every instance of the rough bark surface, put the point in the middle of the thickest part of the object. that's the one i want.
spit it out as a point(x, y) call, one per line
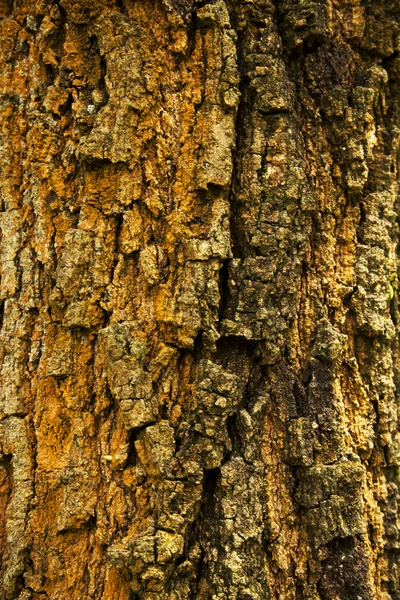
point(199, 300)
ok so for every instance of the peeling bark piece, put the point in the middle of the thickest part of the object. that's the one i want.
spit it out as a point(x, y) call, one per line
point(333, 499)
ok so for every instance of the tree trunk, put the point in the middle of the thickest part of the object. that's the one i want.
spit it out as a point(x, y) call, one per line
point(199, 300)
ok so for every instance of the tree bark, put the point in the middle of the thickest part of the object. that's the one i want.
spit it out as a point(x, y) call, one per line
point(199, 300)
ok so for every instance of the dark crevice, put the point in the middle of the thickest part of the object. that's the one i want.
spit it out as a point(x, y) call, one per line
point(50, 75)
point(67, 107)
point(7, 9)
point(209, 485)
point(192, 29)
point(6, 463)
point(86, 578)
point(91, 523)
point(205, 514)
point(168, 343)
point(133, 436)
point(233, 353)
point(102, 83)
point(223, 288)
point(180, 560)
point(34, 451)
point(199, 575)
point(97, 164)
point(347, 299)
point(238, 241)
point(18, 584)
point(178, 443)
point(120, 5)
point(234, 436)
point(300, 396)
point(66, 75)
point(210, 481)
point(197, 345)
point(274, 112)
point(118, 227)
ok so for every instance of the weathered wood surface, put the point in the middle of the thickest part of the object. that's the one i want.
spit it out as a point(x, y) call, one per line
point(199, 300)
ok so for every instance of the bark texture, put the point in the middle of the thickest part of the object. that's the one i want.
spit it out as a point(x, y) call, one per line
point(199, 300)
